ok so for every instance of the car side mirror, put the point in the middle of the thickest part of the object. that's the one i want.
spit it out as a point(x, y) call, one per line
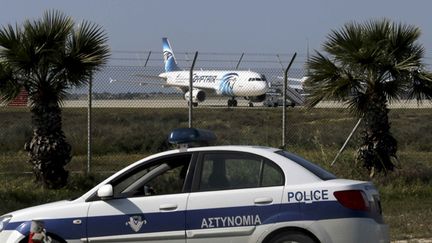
point(105, 192)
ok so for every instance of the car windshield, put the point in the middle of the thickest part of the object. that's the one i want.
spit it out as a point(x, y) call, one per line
point(313, 168)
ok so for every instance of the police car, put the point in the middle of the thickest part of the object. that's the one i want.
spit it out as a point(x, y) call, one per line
point(212, 194)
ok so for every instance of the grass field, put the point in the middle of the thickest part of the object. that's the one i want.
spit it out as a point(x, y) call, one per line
point(121, 136)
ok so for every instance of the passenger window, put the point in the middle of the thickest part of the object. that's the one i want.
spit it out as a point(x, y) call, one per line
point(165, 176)
point(235, 170)
point(272, 175)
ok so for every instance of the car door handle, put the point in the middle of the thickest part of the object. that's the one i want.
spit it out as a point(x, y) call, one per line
point(168, 207)
point(263, 200)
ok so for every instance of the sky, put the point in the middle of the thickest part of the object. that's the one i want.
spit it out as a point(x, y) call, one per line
point(225, 26)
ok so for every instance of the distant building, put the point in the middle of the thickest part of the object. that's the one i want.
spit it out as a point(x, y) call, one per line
point(21, 100)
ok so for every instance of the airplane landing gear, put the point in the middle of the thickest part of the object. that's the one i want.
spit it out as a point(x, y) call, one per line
point(232, 102)
point(251, 104)
point(194, 104)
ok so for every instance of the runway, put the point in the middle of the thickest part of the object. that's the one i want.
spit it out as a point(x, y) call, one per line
point(215, 103)
point(150, 103)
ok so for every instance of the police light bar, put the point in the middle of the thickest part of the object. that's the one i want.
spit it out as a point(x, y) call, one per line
point(190, 136)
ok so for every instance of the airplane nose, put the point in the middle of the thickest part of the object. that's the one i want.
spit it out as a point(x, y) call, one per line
point(265, 86)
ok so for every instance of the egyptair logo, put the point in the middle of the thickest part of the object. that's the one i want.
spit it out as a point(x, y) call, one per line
point(227, 83)
point(136, 222)
point(167, 55)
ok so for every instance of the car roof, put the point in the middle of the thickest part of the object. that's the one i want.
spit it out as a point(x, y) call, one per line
point(243, 148)
point(240, 148)
point(268, 152)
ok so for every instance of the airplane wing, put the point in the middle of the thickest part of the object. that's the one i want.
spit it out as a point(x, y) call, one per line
point(147, 76)
point(142, 82)
point(296, 83)
point(137, 82)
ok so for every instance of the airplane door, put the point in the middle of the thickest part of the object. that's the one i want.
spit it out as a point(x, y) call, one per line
point(235, 195)
point(149, 205)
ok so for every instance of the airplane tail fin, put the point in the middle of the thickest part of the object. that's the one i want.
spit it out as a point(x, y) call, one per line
point(168, 55)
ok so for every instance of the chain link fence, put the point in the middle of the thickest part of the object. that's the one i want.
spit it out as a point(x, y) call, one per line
point(132, 119)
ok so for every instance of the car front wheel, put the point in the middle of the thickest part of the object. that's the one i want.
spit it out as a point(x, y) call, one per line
point(53, 240)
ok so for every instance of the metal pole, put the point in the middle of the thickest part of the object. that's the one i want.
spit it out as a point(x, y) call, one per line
point(346, 142)
point(307, 56)
point(89, 127)
point(191, 88)
point(284, 100)
point(239, 61)
point(280, 62)
point(148, 57)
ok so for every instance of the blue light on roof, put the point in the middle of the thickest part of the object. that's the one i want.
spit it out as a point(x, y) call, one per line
point(191, 136)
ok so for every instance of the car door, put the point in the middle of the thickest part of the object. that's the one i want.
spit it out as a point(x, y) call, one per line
point(148, 205)
point(234, 195)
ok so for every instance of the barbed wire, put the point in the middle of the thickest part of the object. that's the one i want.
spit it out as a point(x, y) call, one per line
point(139, 57)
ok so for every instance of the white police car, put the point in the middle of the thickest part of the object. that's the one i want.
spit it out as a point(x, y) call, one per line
point(212, 194)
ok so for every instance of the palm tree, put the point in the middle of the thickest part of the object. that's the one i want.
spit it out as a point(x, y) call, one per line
point(46, 57)
point(367, 66)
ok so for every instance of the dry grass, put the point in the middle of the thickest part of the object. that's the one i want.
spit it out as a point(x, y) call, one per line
point(122, 136)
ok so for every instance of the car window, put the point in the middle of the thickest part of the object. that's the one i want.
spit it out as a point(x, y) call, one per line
point(163, 176)
point(223, 171)
point(313, 168)
point(272, 175)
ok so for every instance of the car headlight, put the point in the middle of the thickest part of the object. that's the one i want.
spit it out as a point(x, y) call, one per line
point(4, 221)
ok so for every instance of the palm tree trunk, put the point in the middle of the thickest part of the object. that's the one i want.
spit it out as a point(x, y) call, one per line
point(378, 146)
point(49, 152)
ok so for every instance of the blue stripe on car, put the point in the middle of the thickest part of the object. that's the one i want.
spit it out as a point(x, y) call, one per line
point(191, 219)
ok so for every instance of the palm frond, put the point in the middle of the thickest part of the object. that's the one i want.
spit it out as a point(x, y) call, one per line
point(86, 52)
point(9, 86)
point(10, 37)
point(421, 86)
point(377, 56)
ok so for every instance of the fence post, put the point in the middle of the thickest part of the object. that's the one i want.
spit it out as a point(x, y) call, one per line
point(239, 61)
point(148, 57)
point(346, 142)
point(284, 100)
point(89, 125)
point(191, 88)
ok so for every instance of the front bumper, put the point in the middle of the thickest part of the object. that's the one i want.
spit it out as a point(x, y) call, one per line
point(11, 236)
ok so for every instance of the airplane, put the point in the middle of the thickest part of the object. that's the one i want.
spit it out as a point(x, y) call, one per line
point(296, 83)
point(293, 83)
point(251, 85)
point(294, 90)
point(232, 83)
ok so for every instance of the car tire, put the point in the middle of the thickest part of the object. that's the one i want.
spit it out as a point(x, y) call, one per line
point(292, 237)
point(55, 239)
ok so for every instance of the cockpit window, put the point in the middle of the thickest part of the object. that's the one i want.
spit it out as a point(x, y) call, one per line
point(262, 78)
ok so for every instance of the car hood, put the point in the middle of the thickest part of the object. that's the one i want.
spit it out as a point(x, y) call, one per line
point(27, 213)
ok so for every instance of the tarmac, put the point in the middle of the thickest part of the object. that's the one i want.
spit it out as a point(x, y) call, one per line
point(222, 103)
point(215, 103)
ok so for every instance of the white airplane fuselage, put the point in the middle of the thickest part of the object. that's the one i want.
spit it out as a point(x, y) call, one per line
point(232, 83)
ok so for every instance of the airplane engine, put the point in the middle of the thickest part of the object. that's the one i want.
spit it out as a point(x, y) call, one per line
point(259, 98)
point(197, 95)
